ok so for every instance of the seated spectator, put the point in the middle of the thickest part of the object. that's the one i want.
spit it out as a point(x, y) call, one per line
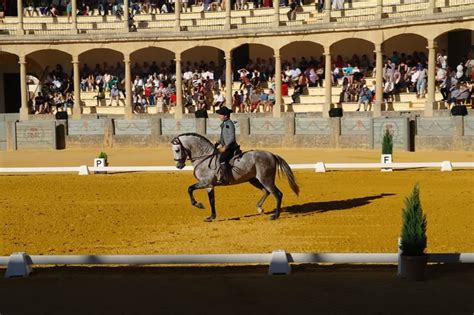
point(68, 101)
point(2, 10)
point(58, 101)
point(236, 100)
point(271, 100)
point(29, 9)
point(388, 89)
point(218, 99)
point(114, 95)
point(460, 94)
point(100, 97)
point(41, 106)
point(244, 104)
point(254, 102)
point(365, 97)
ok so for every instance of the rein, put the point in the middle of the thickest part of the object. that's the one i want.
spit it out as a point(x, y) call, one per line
point(188, 154)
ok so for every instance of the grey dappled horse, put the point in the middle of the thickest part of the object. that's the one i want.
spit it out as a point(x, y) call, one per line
point(256, 167)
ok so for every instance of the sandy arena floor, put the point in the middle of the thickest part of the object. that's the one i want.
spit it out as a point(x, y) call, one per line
point(144, 213)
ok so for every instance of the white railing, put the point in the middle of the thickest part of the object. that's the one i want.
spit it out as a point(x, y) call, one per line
point(320, 166)
point(20, 264)
point(207, 259)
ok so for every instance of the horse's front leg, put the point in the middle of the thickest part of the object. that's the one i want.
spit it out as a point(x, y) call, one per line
point(191, 189)
point(212, 201)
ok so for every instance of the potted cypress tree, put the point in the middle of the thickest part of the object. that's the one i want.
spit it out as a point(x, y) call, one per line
point(413, 237)
point(387, 150)
point(100, 161)
point(103, 155)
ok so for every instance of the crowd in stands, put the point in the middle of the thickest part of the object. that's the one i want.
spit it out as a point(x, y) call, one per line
point(55, 92)
point(204, 83)
point(115, 7)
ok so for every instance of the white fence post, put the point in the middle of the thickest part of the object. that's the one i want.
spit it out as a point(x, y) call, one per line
point(18, 266)
point(320, 167)
point(446, 166)
point(83, 170)
point(279, 264)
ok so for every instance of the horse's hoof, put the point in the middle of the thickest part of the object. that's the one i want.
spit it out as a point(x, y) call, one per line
point(209, 219)
point(274, 216)
point(260, 210)
point(198, 205)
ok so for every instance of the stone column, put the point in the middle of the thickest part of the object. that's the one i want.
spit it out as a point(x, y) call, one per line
point(278, 103)
point(431, 7)
point(24, 110)
point(378, 80)
point(276, 10)
point(20, 28)
point(128, 87)
point(74, 16)
point(430, 99)
point(126, 14)
point(76, 111)
point(178, 113)
point(228, 20)
point(327, 81)
point(379, 12)
point(228, 78)
point(177, 15)
point(327, 11)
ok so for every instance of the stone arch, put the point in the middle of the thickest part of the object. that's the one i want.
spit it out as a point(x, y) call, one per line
point(156, 57)
point(102, 57)
point(457, 44)
point(411, 43)
point(350, 48)
point(40, 61)
point(206, 54)
point(251, 53)
point(297, 50)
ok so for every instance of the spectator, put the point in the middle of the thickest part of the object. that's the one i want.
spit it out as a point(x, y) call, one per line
point(292, 12)
point(365, 97)
point(2, 10)
point(114, 95)
point(460, 94)
point(218, 99)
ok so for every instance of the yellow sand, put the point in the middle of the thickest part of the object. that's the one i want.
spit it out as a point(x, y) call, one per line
point(147, 213)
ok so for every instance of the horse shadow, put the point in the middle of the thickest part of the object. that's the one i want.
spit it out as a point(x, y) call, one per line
point(334, 205)
point(311, 208)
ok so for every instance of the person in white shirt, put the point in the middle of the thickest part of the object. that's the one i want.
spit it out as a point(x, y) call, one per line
point(218, 99)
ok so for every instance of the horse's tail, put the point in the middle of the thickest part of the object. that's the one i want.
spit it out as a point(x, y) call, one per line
point(281, 163)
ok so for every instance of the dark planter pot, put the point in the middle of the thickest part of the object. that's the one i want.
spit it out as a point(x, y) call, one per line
point(415, 267)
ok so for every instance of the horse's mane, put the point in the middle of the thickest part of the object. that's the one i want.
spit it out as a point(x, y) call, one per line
point(196, 135)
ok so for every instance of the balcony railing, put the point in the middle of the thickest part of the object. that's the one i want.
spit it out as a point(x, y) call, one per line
point(239, 19)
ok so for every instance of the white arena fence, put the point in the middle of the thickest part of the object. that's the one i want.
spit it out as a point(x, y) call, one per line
point(20, 264)
point(318, 167)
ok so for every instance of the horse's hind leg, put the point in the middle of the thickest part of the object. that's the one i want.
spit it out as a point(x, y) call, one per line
point(256, 183)
point(271, 187)
point(212, 202)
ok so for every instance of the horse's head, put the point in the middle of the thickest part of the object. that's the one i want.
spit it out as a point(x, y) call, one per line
point(180, 153)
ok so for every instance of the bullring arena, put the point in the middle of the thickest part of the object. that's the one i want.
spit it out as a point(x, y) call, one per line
point(149, 213)
point(310, 81)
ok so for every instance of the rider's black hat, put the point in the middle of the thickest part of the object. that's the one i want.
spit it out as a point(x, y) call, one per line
point(224, 111)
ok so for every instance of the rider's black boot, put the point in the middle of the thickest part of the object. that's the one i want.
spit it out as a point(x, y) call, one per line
point(223, 174)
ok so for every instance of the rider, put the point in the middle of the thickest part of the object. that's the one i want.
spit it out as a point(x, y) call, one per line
point(227, 145)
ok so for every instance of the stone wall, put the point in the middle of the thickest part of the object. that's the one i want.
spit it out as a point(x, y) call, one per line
point(253, 131)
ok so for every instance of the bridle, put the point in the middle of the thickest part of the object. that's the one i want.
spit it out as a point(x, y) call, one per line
point(186, 154)
point(183, 151)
